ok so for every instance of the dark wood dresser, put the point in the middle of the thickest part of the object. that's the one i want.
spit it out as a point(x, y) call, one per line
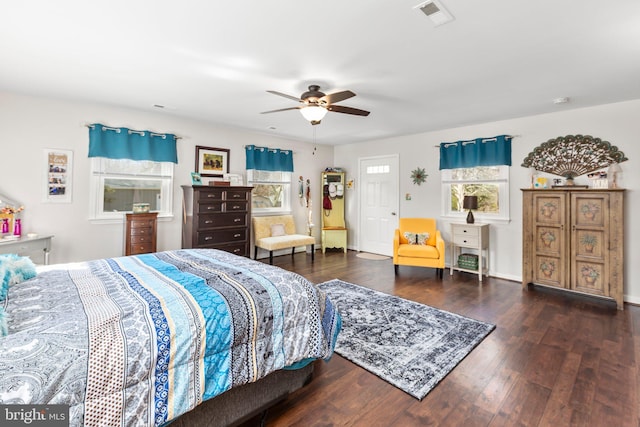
point(217, 218)
point(140, 233)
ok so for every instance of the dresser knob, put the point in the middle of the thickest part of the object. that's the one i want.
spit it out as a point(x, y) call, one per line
point(235, 251)
point(208, 238)
point(237, 235)
point(237, 220)
point(208, 221)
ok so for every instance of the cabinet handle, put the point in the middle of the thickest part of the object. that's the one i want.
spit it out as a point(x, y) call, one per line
point(235, 207)
point(210, 208)
point(237, 235)
point(235, 251)
point(211, 196)
point(208, 221)
point(208, 238)
point(235, 196)
point(237, 219)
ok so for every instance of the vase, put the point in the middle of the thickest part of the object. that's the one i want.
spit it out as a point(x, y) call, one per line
point(17, 228)
point(5, 225)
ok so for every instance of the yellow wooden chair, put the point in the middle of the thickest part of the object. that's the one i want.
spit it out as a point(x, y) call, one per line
point(427, 248)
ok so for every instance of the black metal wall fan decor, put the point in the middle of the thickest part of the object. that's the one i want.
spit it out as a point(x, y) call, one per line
point(315, 104)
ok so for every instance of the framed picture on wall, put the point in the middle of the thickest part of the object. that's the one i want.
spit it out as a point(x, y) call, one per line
point(58, 173)
point(212, 162)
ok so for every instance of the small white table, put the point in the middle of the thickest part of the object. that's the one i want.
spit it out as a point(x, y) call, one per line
point(471, 236)
point(25, 246)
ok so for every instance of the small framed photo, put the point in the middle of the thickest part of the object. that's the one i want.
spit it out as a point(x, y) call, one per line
point(212, 162)
point(234, 179)
point(58, 169)
point(196, 179)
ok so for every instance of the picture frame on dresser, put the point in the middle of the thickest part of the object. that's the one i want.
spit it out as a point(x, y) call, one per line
point(212, 162)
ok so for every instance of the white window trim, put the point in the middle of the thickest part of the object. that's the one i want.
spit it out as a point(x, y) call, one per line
point(286, 208)
point(96, 194)
point(503, 217)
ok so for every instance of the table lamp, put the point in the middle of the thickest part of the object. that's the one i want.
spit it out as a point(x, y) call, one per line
point(613, 171)
point(470, 202)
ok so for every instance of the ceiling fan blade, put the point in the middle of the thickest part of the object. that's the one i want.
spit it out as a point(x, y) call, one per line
point(347, 110)
point(285, 95)
point(338, 96)
point(281, 109)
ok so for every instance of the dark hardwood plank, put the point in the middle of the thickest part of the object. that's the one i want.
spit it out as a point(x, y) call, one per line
point(554, 358)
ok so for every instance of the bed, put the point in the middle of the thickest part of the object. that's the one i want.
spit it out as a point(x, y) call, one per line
point(142, 340)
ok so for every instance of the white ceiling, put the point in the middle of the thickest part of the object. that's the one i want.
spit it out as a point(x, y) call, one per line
point(214, 60)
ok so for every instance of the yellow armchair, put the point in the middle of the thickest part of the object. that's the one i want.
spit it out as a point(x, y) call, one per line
point(429, 253)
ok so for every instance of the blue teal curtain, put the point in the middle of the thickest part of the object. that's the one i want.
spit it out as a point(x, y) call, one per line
point(123, 143)
point(269, 159)
point(494, 151)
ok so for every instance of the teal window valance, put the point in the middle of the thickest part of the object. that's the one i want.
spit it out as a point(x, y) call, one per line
point(124, 143)
point(268, 159)
point(495, 151)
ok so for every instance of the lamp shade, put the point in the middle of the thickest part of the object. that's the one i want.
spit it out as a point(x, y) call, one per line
point(470, 202)
point(313, 113)
point(614, 167)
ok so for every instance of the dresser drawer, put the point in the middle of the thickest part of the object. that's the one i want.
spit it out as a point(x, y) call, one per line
point(237, 195)
point(141, 231)
point(466, 231)
point(210, 194)
point(464, 240)
point(236, 206)
point(142, 223)
point(221, 236)
point(141, 248)
point(210, 207)
point(222, 220)
point(238, 248)
point(141, 238)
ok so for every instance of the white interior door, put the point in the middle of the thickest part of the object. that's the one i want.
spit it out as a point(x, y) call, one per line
point(379, 204)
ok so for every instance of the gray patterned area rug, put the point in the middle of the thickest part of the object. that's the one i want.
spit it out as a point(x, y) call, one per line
point(410, 345)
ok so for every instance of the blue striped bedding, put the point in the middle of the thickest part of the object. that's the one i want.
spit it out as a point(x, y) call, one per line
point(141, 340)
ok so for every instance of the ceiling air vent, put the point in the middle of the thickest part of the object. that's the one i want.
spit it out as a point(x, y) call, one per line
point(435, 12)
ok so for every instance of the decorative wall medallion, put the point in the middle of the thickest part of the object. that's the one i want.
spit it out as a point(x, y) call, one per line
point(419, 176)
point(573, 155)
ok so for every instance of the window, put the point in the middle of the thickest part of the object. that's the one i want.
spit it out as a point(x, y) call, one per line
point(116, 184)
point(489, 183)
point(271, 191)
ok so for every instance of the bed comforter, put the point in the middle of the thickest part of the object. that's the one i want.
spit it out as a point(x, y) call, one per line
point(140, 340)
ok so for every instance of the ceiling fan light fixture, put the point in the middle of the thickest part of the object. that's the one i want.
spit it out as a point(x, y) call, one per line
point(313, 113)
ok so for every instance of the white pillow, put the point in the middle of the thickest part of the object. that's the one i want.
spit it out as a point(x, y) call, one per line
point(278, 230)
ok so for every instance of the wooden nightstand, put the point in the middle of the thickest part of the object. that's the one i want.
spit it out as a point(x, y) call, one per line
point(140, 233)
point(471, 236)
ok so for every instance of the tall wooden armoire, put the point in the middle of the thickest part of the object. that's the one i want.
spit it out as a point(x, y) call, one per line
point(334, 230)
point(574, 240)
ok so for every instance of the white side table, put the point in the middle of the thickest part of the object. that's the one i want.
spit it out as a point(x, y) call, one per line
point(471, 236)
point(24, 246)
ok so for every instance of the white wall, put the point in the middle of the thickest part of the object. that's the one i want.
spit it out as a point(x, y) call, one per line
point(617, 123)
point(31, 124)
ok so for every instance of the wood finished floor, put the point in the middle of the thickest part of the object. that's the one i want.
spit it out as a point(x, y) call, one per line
point(554, 359)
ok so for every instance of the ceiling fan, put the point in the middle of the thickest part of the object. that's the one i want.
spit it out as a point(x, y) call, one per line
point(315, 104)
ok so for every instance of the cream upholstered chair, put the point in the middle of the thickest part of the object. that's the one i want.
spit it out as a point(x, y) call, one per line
point(427, 248)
